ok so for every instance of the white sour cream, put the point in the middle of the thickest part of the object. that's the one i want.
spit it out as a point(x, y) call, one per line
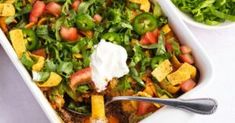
point(108, 61)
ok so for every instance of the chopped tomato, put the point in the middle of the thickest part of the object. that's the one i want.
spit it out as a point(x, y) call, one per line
point(185, 49)
point(156, 32)
point(169, 47)
point(75, 4)
point(144, 40)
point(53, 8)
point(69, 34)
point(187, 58)
point(144, 108)
point(80, 76)
point(187, 85)
point(37, 11)
point(40, 52)
point(151, 37)
point(97, 18)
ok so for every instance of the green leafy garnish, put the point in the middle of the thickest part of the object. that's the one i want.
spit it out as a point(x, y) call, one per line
point(82, 89)
point(211, 12)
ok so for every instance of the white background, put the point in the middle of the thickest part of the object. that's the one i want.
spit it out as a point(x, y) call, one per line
point(17, 105)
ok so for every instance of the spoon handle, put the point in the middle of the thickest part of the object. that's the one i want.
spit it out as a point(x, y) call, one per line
point(200, 105)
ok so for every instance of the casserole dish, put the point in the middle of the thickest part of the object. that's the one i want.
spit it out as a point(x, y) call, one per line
point(186, 38)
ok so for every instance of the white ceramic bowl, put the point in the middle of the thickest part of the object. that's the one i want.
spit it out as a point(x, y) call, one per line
point(191, 21)
point(165, 114)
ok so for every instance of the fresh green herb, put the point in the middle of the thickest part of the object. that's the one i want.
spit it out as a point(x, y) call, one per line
point(42, 76)
point(83, 109)
point(136, 76)
point(27, 61)
point(124, 84)
point(65, 68)
point(65, 7)
point(84, 22)
point(211, 12)
point(161, 44)
point(82, 89)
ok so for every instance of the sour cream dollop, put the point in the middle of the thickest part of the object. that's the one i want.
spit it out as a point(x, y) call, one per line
point(108, 61)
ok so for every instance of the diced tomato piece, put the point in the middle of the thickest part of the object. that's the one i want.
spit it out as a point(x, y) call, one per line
point(151, 37)
point(169, 47)
point(53, 8)
point(156, 32)
point(144, 108)
point(80, 76)
point(97, 18)
point(75, 4)
point(187, 58)
point(37, 11)
point(185, 49)
point(187, 85)
point(144, 40)
point(40, 52)
point(69, 34)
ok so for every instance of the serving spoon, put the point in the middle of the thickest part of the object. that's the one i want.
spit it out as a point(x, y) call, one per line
point(203, 106)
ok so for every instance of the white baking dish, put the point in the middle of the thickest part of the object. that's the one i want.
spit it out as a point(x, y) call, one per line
point(164, 115)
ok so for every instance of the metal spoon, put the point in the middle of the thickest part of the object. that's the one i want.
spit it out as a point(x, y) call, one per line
point(200, 106)
point(204, 106)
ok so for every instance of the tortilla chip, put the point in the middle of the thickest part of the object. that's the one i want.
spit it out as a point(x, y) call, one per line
point(18, 42)
point(185, 72)
point(52, 81)
point(162, 70)
point(7, 9)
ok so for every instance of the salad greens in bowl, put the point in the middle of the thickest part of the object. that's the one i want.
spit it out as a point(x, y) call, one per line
point(207, 13)
point(80, 53)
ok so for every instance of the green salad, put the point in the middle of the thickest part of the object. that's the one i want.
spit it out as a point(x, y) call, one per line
point(55, 39)
point(211, 12)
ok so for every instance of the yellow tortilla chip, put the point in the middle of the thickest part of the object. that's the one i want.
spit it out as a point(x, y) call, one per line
point(144, 4)
point(7, 9)
point(166, 29)
point(40, 63)
point(98, 109)
point(162, 70)
point(169, 87)
point(185, 72)
point(175, 62)
point(9, 1)
point(52, 81)
point(18, 42)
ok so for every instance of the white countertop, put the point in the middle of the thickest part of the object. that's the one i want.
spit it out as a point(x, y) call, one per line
point(18, 105)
